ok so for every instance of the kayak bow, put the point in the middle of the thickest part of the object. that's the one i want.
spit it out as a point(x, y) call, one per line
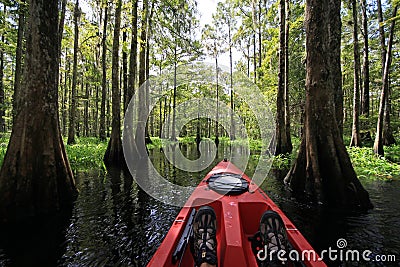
point(238, 216)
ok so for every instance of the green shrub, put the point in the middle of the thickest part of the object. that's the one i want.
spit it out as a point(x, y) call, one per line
point(87, 154)
point(368, 165)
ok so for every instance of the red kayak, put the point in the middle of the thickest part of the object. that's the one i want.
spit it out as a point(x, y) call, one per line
point(239, 206)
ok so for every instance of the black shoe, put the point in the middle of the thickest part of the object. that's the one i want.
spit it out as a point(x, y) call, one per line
point(274, 238)
point(204, 242)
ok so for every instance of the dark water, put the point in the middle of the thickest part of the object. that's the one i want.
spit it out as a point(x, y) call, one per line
point(114, 223)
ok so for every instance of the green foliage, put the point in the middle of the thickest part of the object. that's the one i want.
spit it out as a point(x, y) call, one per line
point(3, 146)
point(87, 154)
point(283, 161)
point(392, 153)
point(157, 142)
point(187, 139)
point(368, 165)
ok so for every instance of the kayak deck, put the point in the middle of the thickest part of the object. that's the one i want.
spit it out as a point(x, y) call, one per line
point(238, 218)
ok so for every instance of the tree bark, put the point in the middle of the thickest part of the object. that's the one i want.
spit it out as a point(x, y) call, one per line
point(382, 36)
point(287, 106)
point(86, 111)
point(132, 70)
point(165, 115)
point(161, 108)
point(217, 100)
point(283, 144)
point(108, 124)
point(323, 168)
point(102, 130)
point(254, 18)
point(148, 37)
point(72, 111)
point(133, 55)
point(2, 109)
point(355, 132)
point(96, 113)
point(335, 33)
point(64, 88)
point(124, 71)
point(141, 127)
point(378, 144)
point(114, 154)
point(232, 129)
point(61, 31)
point(388, 137)
point(36, 177)
point(18, 57)
point(173, 134)
point(65, 98)
point(365, 95)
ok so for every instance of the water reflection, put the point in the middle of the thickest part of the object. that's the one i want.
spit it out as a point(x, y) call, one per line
point(39, 242)
point(115, 223)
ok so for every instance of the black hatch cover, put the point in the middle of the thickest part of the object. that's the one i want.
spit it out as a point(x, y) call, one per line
point(228, 184)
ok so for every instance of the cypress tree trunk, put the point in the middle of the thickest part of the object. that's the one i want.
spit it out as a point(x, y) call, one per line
point(176, 24)
point(165, 114)
point(2, 111)
point(378, 144)
point(141, 128)
point(114, 153)
point(65, 98)
point(148, 36)
point(108, 124)
point(61, 30)
point(335, 33)
point(232, 130)
point(63, 87)
point(133, 55)
point(102, 130)
point(132, 73)
point(323, 168)
point(86, 111)
point(72, 111)
point(254, 16)
point(36, 177)
point(124, 71)
point(365, 95)
point(283, 144)
point(96, 113)
point(382, 36)
point(217, 99)
point(161, 108)
point(355, 133)
point(388, 137)
point(287, 107)
point(18, 57)
point(173, 135)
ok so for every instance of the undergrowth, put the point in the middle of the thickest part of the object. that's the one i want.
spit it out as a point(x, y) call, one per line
point(87, 154)
point(368, 165)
